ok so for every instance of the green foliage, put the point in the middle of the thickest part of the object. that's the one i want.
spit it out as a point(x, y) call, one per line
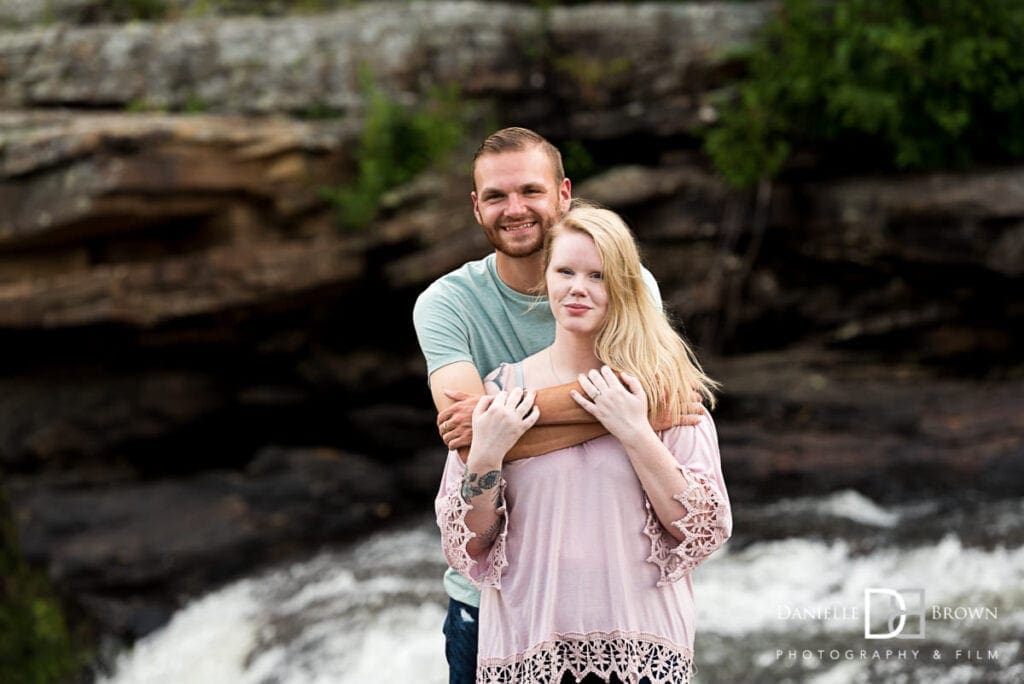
point(194, 104)
point(397, 143)
point(577, 160)
point(147, 10)
point(906, 84)
point(35, 645)
point(140, 106)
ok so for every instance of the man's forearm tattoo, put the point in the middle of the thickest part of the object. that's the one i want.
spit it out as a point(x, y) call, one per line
point(473, 485)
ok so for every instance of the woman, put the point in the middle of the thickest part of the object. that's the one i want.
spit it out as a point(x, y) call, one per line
point(584, 555)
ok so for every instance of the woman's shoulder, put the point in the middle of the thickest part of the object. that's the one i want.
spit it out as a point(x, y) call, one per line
point(688, 437)
point(501, 378)
point(705, 425)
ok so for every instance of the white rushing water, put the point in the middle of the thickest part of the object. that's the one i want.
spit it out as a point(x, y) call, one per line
point(373, 612)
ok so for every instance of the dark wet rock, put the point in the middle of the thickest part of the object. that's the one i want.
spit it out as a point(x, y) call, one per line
point(49, 418)
point(805, 421)
point(127, 547)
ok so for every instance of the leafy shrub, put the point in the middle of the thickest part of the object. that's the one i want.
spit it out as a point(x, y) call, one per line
point(397, 143)
point(35, 644)
point(905, 84)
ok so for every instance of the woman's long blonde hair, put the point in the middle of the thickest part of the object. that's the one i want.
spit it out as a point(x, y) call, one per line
point(636, 336)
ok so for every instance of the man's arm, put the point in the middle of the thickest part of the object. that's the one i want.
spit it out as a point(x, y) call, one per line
point(563, 423)
point(456, 388)
point(570, 425)
point(455, 416)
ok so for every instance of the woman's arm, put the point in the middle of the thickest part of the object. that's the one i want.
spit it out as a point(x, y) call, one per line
point(681, 474)
point(499, 421)
point(470, 504)
point(662, 479)
point(481, 490)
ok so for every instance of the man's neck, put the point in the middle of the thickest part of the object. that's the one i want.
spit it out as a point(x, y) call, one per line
point(522, 274)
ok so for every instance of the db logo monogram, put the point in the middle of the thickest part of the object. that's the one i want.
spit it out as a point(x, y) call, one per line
point(893, 608)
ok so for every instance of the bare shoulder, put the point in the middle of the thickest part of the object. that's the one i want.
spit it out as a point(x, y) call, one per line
point(535, 369)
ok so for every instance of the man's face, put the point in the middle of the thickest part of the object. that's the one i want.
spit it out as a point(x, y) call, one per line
point(517, 199)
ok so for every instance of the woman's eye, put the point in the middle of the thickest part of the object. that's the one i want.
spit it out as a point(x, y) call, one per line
point(597, 276)
point(565, 271)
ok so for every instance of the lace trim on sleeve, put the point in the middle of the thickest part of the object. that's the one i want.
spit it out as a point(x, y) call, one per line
point(485, 569)
point(704, 528)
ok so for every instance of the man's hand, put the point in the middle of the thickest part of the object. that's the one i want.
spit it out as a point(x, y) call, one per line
point(455, 423)
point(693, 410)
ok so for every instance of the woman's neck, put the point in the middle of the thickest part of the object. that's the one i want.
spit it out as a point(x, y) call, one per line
point(571, 355)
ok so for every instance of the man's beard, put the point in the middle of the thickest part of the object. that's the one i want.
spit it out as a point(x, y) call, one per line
point(519, 251)
point(496, 235)
point(516, 251)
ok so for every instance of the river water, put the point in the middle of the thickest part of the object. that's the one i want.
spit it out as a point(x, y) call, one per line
point(784, 601)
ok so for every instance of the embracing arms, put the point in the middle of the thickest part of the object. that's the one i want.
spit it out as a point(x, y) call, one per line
point(457, 387)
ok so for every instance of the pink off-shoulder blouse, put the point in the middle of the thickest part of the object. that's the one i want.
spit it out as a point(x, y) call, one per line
point(583, 577)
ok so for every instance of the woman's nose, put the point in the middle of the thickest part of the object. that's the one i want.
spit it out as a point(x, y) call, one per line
point(576, 286)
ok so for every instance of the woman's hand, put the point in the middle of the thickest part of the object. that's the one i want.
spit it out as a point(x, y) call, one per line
point(621, 406)
point(499, 421)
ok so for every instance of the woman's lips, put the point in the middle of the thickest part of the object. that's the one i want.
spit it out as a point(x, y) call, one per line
point(577, 308)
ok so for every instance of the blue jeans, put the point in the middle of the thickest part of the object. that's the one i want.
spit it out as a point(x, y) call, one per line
point(460, 639)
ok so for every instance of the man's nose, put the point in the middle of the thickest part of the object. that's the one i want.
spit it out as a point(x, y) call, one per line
point(515, 205)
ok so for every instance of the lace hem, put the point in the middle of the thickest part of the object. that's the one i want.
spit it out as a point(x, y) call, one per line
point(455, 536)
point(704, 528)
point(628, 655)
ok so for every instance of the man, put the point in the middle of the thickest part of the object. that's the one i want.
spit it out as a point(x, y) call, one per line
point(484, 313)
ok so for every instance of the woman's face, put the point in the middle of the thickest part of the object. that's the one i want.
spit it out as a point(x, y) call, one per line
point(575, 283)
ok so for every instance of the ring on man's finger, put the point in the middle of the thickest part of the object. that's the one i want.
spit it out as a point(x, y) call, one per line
point(444, 426)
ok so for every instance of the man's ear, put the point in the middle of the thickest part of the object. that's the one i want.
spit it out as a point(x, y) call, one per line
point(565, 194)
point(476, 208)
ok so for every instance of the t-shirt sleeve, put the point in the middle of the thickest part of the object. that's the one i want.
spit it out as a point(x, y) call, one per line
point(440, 328)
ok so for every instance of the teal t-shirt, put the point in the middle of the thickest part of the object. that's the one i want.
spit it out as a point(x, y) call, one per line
point(471, 315)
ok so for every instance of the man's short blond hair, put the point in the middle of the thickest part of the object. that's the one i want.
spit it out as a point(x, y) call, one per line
point(516, 139)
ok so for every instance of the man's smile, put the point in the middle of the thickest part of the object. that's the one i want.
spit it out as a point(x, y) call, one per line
point(519, 227)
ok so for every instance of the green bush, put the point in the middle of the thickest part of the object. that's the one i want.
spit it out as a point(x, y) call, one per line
point(397, 143)
point(900, 84)
point(35, 644)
